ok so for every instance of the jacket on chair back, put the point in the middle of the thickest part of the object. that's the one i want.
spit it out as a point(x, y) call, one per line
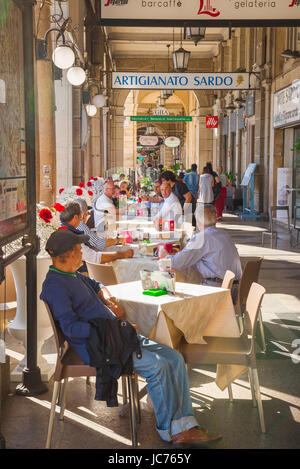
point(110, 346)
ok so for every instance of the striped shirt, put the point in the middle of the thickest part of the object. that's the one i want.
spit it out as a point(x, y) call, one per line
point(94, 241)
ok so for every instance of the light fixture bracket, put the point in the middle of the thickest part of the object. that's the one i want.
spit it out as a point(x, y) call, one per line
point(42, 44)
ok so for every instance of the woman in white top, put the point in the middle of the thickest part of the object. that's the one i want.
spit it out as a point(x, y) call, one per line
point(206, 195)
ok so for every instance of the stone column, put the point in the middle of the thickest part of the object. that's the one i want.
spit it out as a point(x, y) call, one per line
point(46, 147)
point(95, 142)
point(78, 167)
point(117, 138)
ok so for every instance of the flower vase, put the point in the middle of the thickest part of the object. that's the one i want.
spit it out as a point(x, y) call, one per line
point(17, 328)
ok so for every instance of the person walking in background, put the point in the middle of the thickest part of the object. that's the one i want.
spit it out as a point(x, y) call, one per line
point(192, 181)
point(206, 195)
point(216, 190)
point(221, 199)
point(181, 171)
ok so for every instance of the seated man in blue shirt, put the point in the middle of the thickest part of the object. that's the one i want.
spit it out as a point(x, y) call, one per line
point(210, 252)
point(75, 299)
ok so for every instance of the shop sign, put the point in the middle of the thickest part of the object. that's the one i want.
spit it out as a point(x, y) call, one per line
point(161, 111)
point(172, 142)
point(286, 105)
point(212, 122)
point(161, 118)
point(148, 140)
point(284, 196)
point(180, 81)
point(206, 11)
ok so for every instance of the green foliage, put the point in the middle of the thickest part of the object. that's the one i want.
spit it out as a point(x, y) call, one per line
point(297, 148)
point(4, 7)
point(297, 145)
point(231, 177)
point(148, 183)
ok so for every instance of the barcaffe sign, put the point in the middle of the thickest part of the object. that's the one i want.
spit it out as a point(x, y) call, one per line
point(145, 11)
point(180, 81)
point(286, 105)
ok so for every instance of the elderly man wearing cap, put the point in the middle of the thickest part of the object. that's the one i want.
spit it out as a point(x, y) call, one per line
point(75, 300)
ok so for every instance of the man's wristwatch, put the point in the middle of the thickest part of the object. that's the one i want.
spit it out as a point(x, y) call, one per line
point(112, 298)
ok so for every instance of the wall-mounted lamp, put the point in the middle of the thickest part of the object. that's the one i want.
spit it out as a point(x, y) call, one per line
point(91, 110)
point(76, 76)
point(99, 99)
point(63, 55)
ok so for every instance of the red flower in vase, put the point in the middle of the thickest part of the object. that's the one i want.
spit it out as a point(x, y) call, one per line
point(46, 215)
point(90, 193)
point(81, 184)
point(61, 190)
point(89, 184)
point(79, 191)
point(58, 207)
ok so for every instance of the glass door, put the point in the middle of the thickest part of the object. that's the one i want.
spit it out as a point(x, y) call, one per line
point(296, 195)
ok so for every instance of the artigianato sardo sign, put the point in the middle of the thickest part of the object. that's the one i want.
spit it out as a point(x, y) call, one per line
point(201, 10)
point(180, 81)
point(287, 105)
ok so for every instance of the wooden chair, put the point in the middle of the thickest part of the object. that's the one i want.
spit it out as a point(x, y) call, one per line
point(8, 303)
point(237, 351)
point(102, 273)
point(70, 365)
point(228, 280)
point(250, 274)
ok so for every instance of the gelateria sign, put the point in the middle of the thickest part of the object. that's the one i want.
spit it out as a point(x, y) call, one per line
point(145, 11)
point(287, 105)
point(180, 81)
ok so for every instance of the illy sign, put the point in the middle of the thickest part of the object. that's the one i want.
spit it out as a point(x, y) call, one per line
point(212, 122)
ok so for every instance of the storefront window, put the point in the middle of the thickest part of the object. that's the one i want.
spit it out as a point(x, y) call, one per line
point(296, 200)
point(13, 199)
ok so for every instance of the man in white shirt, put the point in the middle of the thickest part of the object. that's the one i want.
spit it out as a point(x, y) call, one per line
point(171, 208)
point(104, 204)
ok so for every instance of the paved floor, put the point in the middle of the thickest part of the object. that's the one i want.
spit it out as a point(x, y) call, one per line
point(89, 424)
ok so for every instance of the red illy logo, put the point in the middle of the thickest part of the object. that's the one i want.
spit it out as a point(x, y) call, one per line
point(212, 122)
point(116, 2)
point(207, 9)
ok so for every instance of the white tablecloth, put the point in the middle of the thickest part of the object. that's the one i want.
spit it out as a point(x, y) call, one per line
point(128, 270)
point(194, 311)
